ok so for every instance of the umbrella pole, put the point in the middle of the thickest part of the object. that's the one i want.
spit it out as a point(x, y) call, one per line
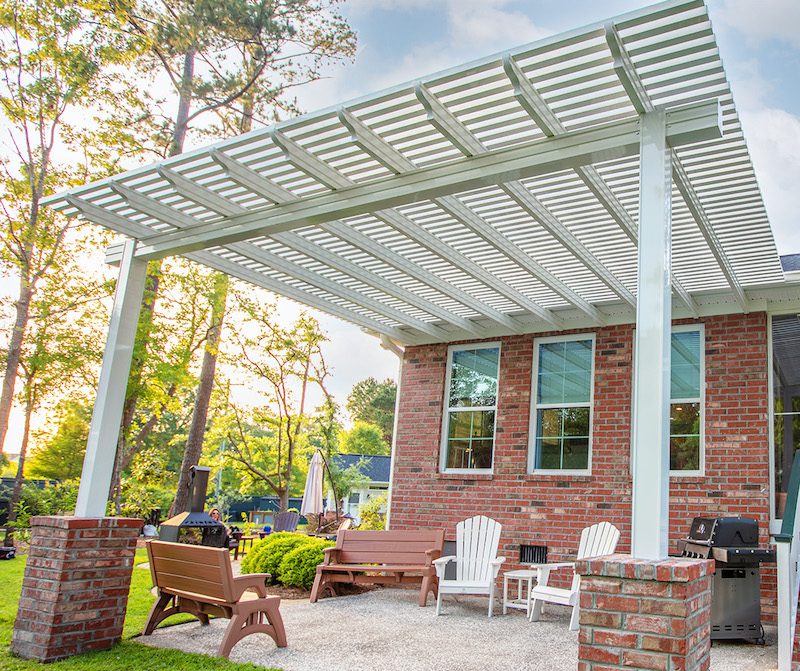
point(333, 486)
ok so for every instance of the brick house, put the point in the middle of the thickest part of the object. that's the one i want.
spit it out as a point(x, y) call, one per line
point(546, 445)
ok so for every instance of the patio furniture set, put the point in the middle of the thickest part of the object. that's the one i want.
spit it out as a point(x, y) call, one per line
point(198, 580)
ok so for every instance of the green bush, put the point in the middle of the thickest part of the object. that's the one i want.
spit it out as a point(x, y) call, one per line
point(298, 567)
point(373, 517)
point(266, 555)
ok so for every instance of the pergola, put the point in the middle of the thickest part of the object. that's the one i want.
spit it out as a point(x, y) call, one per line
point(595, 177)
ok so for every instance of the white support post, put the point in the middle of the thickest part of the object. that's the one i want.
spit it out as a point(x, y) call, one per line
point(651, 390)
point(101, 448)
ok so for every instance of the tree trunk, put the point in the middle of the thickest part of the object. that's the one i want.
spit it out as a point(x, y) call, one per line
point(16, 494)
point(197, 429)
point(22, 309)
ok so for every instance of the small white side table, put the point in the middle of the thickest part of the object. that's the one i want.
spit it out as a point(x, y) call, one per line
point(523, 600)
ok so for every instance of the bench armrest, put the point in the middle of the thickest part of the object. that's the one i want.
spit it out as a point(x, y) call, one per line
point(330, 555)
point(433, 554)
point(254, 581)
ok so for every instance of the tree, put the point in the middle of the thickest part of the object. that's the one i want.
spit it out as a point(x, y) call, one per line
point(60, 457)
point(61, 84)
point(287, 361)
point(372, 401)
point(363, 438)
point(236, 59)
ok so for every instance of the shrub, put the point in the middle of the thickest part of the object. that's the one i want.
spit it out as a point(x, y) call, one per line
point(372, 514)
point(299, 566)
point(266, 555)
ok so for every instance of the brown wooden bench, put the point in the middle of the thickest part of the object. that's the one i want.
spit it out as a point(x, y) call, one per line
point(198, 580)
point(382, 557)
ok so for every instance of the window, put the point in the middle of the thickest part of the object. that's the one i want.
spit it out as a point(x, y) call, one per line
point(686, 400)
point(562, 410)
point(470, 407)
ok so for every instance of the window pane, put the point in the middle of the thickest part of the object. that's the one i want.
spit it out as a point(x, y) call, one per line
point(684, 453)
point(685, 378)
point(470, 439)
point(549, 423)
point(576, 422)
point(684, 419)
point(564, 372)
point(549, 453)
point(473, 377)
point(576, 453)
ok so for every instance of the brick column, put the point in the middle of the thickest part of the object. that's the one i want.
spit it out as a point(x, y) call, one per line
point(643, 614)
point(75, 589)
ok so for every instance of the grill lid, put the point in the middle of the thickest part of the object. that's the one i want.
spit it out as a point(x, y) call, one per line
point(724, 531)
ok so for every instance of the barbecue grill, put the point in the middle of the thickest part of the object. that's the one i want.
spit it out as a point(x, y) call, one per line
point(732, 542)
point(195, 526)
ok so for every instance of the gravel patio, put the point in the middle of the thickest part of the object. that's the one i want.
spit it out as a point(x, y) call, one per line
point(385, 630)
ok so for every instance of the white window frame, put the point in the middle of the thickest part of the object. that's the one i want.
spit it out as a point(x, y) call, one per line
point(532, 470)
point(681, 328)
point(443, 445)
point(685, 328)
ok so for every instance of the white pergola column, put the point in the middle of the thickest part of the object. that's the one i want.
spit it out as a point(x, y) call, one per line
point(101, 448)
point(651, 386)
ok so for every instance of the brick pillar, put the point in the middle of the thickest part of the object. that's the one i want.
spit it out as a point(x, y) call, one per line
point(75, 589)
point(643, 614)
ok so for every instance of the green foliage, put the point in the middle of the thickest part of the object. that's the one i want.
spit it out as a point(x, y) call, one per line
point(346, 480)
point(267, 554)
point(363, 438)
point(373, 402)
point(372, 513)
point(57, 499)
point(61, 455)
point(299, 566)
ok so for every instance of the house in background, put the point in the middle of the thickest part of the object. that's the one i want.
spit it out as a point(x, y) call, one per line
point(374, 467)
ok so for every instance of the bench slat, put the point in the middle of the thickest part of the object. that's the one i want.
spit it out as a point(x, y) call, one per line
point(172, 581)
point(206, 572)
point(396, 568)
point(365, 556)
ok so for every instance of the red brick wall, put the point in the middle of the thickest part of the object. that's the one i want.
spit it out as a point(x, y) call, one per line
point(552, 509)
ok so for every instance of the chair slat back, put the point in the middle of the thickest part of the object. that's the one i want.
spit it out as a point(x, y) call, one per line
point(286, 521)
point(477, 540)
point(597, 540)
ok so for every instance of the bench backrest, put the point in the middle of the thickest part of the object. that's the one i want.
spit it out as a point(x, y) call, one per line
point(382, 547)
point(191, 570)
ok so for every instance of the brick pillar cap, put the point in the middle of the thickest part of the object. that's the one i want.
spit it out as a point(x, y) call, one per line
point(64, 522)
point(671, 569)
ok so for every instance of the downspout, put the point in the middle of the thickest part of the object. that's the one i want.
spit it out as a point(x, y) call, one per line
point(389, 344)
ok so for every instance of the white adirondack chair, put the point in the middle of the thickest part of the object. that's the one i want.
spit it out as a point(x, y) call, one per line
point(477, 563)
point(596, 541)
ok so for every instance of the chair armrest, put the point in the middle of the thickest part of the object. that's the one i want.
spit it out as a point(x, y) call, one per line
point(543, 576)
point(330, 555)
point(254, 581)
point(496, 563)
point(441, 564)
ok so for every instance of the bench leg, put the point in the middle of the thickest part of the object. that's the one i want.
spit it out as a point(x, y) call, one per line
point(254, 617)
point(428, 585)
point(158, 613)
point(315, 589)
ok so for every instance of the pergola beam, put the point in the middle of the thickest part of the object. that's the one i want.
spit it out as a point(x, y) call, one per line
point(538, 109)
point(642, 103)
point(692, 123)
point(310, 164)
point(250, 179)
point(200, 195)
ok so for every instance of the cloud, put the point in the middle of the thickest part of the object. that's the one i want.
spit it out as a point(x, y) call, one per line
point(764, 20)
point(773, 137)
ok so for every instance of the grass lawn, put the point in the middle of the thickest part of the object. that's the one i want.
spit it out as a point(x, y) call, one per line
point(127, 655)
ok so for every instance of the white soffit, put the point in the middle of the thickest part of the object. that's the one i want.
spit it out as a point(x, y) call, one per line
point(415, 212)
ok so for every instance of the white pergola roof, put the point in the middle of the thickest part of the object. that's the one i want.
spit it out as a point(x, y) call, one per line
point(494, 198)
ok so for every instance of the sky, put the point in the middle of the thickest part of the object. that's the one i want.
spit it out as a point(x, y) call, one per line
point(399, 40)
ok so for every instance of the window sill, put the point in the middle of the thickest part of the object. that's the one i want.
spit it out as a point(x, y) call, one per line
point(465, 475)
point(560, 475)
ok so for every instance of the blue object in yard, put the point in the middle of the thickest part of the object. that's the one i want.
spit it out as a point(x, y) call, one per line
point(267, 528)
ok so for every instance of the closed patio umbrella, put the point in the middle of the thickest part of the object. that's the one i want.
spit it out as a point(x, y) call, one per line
point(312, 496)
